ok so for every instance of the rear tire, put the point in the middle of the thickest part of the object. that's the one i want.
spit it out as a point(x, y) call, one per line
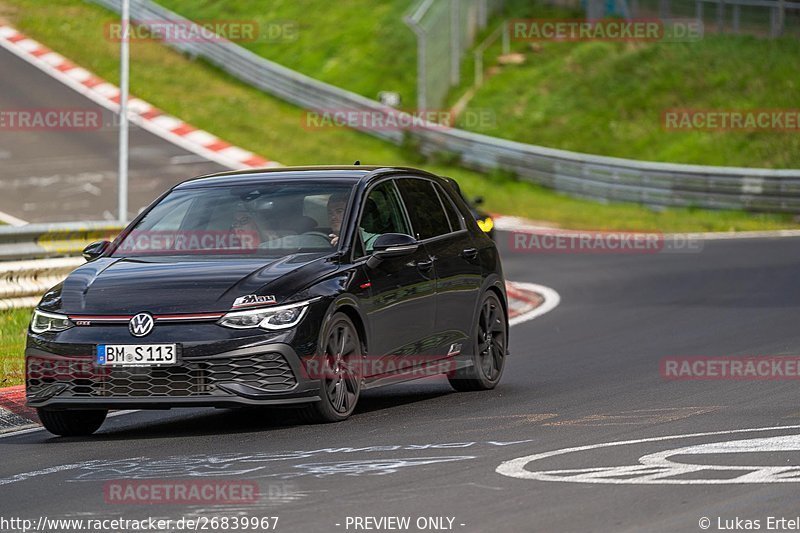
point(72, 423)
point(340, 364)
point(490, 338)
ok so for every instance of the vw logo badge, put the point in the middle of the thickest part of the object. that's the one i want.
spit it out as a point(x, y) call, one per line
point(141, 324)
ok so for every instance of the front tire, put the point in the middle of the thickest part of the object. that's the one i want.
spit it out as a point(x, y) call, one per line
point(340, 382)
point(72, 423)
point(490, 338)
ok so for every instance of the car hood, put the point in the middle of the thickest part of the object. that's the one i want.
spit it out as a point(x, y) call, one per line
point(177, 285)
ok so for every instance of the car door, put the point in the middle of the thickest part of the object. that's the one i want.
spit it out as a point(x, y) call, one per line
point(441, 228)
point(401, 308)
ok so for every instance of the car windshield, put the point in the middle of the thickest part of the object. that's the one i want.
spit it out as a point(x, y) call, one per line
point(266, 219)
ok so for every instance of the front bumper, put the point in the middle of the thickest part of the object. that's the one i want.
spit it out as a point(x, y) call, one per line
point(266, 374)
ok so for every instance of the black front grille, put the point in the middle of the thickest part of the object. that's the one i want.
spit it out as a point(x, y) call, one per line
point(268, 371)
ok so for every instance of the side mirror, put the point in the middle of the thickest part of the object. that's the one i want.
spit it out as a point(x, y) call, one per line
point(392, 245)
point(95, 250)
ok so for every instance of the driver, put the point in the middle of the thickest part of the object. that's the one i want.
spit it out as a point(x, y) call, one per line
point(336, 206)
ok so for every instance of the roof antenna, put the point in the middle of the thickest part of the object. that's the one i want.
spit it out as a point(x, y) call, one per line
point(358, 162)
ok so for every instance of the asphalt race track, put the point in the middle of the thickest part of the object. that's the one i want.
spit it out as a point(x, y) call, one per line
point(585, 374)
point(583, 433)
point(71, 174)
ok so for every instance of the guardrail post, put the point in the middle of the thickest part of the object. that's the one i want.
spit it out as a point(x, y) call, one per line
point(422, 71)
point(664, 9)
point(455, 42)
point(776, 19)
point(478, 68)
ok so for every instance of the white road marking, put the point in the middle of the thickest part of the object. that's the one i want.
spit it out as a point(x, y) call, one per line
point(656, 468)
point(44, 471)
point(260, 463)
point(360, 467)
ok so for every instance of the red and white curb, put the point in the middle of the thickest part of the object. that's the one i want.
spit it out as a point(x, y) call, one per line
point(141, 113)
point(526, 302)
point(14, 415)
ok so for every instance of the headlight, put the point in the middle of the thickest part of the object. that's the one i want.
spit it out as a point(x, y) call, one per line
point(281, 317)
point(43, 322)
point(486, 224)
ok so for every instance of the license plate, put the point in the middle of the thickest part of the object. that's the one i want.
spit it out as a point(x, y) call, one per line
point(137, 354)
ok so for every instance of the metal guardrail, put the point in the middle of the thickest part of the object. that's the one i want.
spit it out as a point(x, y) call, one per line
point(35, 241)
point(22, 283)
point(48, 251)
point(581, 175)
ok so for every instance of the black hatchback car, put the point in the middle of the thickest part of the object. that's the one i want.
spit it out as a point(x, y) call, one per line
point(273, 287)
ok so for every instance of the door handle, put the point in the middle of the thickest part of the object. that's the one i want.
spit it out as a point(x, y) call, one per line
point(425, 265)
point(470, 253)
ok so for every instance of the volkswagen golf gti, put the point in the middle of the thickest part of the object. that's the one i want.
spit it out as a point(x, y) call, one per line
point(293, 286)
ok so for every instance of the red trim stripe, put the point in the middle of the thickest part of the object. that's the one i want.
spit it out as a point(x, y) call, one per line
point(195, 316)
point(125, 318)
point(100, 317)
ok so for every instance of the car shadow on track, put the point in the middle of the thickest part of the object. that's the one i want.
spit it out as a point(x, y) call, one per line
point(209, 422)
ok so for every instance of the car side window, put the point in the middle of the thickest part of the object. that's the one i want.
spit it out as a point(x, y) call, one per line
point(382, 213)
point(455, 218)
point(422, 203)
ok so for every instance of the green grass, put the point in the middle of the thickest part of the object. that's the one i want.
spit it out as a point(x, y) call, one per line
point(608, 98)
point(592, 97)
point(345, 43)
point(207, 98)
point(13, 325)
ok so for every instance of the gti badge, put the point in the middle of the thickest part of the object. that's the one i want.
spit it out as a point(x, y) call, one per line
point(141, 324)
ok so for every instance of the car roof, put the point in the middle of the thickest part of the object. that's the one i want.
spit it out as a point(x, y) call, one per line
point(353, 173)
